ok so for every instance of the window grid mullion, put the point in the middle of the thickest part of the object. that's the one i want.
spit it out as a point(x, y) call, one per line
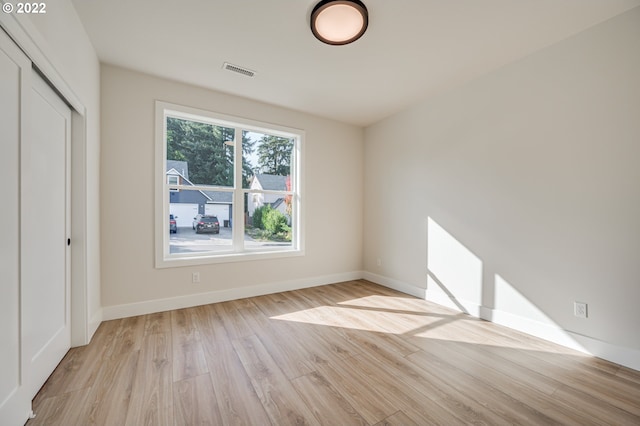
point(238, 195)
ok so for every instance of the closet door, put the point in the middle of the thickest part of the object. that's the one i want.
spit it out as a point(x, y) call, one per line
point(44, 230)
point(15, 69)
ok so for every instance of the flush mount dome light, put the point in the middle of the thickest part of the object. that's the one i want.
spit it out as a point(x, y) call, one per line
point(339, 22)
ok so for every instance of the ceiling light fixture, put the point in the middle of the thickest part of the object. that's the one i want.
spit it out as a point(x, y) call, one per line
point(339, 22)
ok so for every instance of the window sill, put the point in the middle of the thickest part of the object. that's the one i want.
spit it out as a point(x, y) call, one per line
point(176, 262)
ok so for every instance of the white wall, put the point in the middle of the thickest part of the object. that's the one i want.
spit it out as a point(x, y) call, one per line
point(521, 190)
point(333, 177)
point(59, 39)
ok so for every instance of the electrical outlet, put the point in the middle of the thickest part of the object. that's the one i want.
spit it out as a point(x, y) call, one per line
point(580, 309)
point(195, 277)
point(379, 262)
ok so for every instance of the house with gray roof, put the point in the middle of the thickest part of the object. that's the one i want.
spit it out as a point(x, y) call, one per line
point(267, 182)
point(186, 204)
point(179, 167)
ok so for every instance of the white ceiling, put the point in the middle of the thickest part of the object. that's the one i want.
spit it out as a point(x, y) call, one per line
point(412, 49)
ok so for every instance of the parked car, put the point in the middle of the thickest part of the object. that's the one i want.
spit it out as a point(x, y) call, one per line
point(196, 220)
point(173, 226)
point(208, 224)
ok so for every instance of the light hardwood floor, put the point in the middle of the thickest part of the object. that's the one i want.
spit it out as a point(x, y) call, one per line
point(349, 353)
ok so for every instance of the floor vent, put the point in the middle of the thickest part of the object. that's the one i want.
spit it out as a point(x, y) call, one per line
point(238, 69)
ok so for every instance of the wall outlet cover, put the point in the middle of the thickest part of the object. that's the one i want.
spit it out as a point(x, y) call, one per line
point(580, 309)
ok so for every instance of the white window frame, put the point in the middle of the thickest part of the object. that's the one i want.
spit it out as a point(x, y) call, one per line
point(237, 251)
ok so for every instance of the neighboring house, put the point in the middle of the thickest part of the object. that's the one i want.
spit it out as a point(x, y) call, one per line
point(178, 167)
point(186, 204)
point(219, 204)
point(267, 182)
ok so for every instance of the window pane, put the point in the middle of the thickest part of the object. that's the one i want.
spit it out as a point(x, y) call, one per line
point(172, 181)
point(201, 221)
point(268, 156)
point(197, 152)
point(269, 224)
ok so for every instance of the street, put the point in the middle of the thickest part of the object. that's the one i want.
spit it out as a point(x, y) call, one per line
point(187, 241)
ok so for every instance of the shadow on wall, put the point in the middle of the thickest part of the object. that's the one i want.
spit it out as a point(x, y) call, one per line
point(455, 279)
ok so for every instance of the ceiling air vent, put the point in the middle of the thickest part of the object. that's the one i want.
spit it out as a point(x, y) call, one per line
point(238, 69)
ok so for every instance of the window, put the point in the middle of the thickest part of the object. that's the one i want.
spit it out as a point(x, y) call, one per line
point(231, 185)
point(173, 181)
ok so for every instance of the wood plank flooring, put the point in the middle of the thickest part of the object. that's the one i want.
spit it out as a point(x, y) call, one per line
point(352, 353)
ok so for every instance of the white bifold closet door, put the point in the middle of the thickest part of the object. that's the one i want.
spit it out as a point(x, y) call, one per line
point(35, 126)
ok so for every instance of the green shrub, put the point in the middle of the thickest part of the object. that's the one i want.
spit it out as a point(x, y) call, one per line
point(274, 221)
point(286, 233)
point(257, 216)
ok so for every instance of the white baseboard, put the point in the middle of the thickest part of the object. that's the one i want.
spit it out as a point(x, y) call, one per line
point(551, 332)
point(546, 331)
point(95, 322)
point(627, 357)
point(189, 300)
point(395, 284)
point(462, 305)
point(422, 293)
point(619, 354)
point(83, 337)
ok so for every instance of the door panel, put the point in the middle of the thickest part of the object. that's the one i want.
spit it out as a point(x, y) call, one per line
point(44, 230)
point(14, 403)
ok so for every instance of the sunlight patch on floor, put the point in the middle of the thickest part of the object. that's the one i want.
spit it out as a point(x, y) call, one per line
point(371, 315)
point(385, 302)
point(380, 320)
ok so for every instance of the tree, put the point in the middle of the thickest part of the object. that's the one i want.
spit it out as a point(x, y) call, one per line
point(202, 146)
point(274, 155)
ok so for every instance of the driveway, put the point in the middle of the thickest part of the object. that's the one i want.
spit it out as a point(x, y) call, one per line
point(187, 241)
